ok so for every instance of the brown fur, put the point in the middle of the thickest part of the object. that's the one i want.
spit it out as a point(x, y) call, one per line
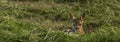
point(78, 23)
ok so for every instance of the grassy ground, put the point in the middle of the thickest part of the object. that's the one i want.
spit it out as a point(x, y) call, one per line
point(43, 21)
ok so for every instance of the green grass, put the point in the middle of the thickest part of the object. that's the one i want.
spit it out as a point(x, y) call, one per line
point(44, 21)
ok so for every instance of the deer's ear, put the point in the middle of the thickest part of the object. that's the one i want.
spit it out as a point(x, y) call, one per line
point(82, 17)
point(72, 16)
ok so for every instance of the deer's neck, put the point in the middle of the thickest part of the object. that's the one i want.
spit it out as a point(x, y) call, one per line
point(81, 30)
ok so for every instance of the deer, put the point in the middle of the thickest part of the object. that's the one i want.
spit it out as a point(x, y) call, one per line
point(77, 24)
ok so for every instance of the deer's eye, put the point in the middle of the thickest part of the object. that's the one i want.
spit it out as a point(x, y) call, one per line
point(79, 24)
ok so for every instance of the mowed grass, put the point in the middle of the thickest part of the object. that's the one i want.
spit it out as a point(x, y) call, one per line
point(44, 21)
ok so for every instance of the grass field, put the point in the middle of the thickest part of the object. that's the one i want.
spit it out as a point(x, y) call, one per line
point(44, 20)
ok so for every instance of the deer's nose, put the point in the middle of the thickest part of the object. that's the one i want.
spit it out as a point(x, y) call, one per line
point(76, 27)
